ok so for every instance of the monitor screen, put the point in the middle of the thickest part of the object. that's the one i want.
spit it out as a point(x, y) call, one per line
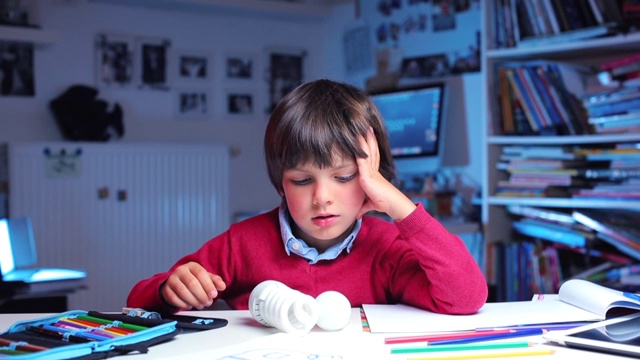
point(413, 117)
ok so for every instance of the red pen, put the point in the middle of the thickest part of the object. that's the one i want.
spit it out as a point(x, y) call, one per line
point(445, 336)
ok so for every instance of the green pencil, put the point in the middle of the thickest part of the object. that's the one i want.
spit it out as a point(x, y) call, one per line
point(436, 348)
point(105, 321)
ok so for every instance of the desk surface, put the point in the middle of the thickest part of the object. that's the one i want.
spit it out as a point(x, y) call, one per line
point(244, 329)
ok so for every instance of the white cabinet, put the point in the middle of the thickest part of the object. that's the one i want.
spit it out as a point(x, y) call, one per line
point(120, 211)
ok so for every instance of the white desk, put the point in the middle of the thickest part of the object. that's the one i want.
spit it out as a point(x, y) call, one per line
point(242, 328)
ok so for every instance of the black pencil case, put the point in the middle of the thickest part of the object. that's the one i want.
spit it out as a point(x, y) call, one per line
point(113, 335)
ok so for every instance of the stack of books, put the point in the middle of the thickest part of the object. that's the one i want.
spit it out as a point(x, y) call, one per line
point(533, 23)
point(614, 111)
point(579, 172)
point(543, 248)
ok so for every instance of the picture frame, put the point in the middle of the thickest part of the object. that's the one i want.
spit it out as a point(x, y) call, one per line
point(193, 65)
point(240, 66)
point(152, 60)
point(193, 103)
point(114, 65)
point(285, 71)
point(240, 103)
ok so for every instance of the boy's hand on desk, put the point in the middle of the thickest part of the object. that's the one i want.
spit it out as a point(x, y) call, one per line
point(191, 286)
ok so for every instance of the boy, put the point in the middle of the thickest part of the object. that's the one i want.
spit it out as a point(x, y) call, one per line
point(328, 156)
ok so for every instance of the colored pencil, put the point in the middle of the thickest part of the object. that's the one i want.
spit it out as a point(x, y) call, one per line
point(445, 336)
point(77, 333)
point(489, 355)
point(482, 346)
point(556, 326)
point(112, 322)
point(22, 347)
point(512, 334)
point(58, 335)
point(93, 325)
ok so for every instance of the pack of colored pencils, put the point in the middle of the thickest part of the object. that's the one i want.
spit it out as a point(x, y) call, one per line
point(83, 334)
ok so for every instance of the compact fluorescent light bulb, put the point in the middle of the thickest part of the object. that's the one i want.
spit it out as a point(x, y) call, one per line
point(274, 304)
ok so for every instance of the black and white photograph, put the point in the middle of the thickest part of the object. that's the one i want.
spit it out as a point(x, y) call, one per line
point(286, 72)
point(114, 60)
point(240, 66)
point(193, 65)
point(152, 57)
point(192, 104)
point(16, 69)
point(240, 103)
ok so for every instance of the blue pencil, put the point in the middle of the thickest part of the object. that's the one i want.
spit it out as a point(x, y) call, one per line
point(76, 333)
point(556, 326)
point(514, 334)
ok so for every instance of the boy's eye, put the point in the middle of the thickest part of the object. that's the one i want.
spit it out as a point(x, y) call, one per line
point(346, 178)
point(301, 181)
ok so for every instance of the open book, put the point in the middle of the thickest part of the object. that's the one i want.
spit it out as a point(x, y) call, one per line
point(577, 301)
point(597, 299)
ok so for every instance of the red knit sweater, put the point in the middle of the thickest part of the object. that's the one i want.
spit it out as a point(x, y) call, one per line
point(414, 261)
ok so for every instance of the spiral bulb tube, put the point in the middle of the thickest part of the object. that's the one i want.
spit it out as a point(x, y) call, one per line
point(274, 304)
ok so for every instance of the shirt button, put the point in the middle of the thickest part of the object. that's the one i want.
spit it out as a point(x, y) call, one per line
point(295, 246)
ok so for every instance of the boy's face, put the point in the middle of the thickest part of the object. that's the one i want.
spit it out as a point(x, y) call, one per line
point(323, 203)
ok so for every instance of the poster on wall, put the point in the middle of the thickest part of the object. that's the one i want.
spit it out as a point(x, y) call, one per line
point(16, 69)
point(192, 65)
point(436, 37)
point(286, 72)
point(114, 60)
point(152, 56)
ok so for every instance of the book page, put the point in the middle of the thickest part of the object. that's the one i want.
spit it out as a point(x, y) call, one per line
point(595, 298)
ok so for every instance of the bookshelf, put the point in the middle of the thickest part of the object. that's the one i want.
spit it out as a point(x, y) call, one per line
point(584, 53)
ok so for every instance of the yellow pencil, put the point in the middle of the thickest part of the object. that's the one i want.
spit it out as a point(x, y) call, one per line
point(490, 355)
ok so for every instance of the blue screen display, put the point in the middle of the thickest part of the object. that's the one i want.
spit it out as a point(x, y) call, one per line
point(413, 117)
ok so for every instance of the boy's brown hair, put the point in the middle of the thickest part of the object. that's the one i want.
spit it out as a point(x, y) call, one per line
point(319, 121)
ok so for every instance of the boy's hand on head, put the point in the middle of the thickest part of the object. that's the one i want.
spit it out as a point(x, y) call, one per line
point(382, 195)
point(191, 286)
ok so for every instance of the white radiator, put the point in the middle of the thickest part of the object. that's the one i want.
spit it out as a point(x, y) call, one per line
point(121, 211)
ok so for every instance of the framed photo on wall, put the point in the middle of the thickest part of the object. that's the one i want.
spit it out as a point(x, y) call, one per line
point(285, 72)
point(16, 69)
point(240, 66)
point(152, 59)
point(114, 60)
point(193, 104)
point(240, 103)
point(193, 65)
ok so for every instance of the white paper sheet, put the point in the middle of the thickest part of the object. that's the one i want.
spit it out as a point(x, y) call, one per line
point(406, 319)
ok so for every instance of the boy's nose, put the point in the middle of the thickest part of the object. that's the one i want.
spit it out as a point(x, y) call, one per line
point(322, 195)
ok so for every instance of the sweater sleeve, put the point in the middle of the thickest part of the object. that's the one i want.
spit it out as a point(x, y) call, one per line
point(146, 293)
point(448, 279)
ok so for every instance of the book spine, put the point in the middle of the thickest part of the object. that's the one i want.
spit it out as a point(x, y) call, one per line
point(527, 90)
point(620, 62)
point(526, 106)
point(506, 103)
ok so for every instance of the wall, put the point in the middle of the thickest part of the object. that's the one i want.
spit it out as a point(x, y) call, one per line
point(462, 138)
point(149, 113)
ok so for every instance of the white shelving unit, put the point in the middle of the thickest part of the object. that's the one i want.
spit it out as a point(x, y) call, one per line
point(495, 219)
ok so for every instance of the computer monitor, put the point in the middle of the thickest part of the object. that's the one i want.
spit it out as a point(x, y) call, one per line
point(414, 119)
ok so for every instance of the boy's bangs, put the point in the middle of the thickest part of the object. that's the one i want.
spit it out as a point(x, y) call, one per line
point(321, 142)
